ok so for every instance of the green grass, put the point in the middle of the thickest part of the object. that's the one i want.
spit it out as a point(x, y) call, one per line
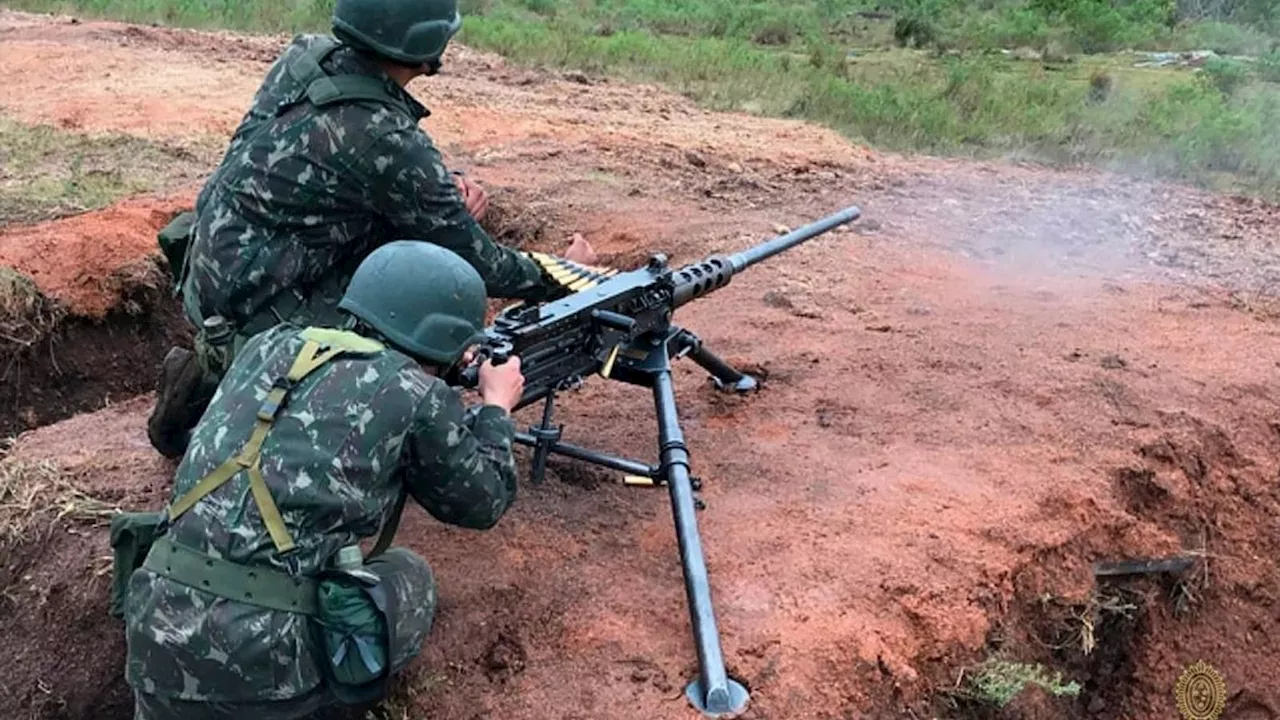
point(997, 682)
point(1225, 39)
point(1156, 122)
point(47, 173)
point(908, 75)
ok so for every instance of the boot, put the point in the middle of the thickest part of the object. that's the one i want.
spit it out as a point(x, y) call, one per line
point(178, 403)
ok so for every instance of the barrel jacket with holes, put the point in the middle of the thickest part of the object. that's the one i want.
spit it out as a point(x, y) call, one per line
point(348, 438)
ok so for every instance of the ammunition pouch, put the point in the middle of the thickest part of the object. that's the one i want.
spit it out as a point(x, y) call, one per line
point(132, 535)
point(354, 625)
point(174, 239)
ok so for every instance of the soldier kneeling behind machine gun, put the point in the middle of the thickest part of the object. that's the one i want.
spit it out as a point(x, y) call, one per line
point(230, 605)
point(248, 595)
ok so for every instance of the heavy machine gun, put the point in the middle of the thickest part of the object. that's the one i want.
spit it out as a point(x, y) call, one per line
point(618, 324)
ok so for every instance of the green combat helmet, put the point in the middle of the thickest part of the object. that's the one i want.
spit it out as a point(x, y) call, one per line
point(424, 299)
point(408, 32)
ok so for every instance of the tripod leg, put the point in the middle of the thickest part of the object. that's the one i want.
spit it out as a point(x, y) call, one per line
point(545, 437)
point(723, 374)
point(713, 693)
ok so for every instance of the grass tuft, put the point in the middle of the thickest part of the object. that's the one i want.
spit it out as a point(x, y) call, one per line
point(34, 494)
point(997, 682)
point(27, 315)
point(47, 173)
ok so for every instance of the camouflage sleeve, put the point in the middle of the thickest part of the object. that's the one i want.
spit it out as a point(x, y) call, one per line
point(460, 468)
point(261, 109)
point(421, 202)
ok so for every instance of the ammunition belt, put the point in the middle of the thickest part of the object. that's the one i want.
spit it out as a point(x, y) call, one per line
point(254, 585)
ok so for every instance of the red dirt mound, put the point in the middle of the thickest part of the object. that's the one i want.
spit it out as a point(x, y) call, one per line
point(105, 270)
point(85, 262)
point(61, 655)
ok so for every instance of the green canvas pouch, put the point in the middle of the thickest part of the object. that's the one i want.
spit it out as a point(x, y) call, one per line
point(174, 239)
point(132, 534)
point(354, 630)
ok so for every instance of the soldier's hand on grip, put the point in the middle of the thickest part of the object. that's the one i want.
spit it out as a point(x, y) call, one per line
point(501, 385)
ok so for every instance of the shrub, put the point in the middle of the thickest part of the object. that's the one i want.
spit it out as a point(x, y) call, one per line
point(1269, 66)
point(1099, 86)
point(1227, 76)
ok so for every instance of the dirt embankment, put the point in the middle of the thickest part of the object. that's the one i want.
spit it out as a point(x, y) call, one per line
point(62, 653)
point(96, 315)
point(1001, 377)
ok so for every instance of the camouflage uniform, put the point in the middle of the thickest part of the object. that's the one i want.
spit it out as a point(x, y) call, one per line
point(307, 190)
point(352, 435)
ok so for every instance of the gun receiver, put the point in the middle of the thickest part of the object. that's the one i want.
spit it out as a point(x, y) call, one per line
point(618, 324)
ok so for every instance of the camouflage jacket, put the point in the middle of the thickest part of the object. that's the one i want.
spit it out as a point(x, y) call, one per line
point(305, 192)
point(348, 438)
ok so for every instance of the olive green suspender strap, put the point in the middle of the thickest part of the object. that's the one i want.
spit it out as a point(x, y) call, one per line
point(320, 346)
point(388, 532)
point(324, 89)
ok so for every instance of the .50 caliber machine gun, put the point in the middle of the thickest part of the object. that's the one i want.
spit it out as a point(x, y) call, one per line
point(618, 324)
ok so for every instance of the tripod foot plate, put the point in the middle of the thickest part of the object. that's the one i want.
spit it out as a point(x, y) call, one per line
point(745, 385)
point(726, 704)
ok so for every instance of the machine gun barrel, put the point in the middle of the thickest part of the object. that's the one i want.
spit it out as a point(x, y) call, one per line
point(769, 248)
point(694, 281)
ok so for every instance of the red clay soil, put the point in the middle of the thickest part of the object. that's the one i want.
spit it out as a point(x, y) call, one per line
point(85, 261)
point(109, 93)
point(104, 268)
point(1002, 376)
point(912, 480)
point(61, 655)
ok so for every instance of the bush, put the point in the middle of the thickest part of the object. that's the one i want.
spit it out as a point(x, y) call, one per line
point(1269, 66)
point(1224, 39)
point(1263, 15)
point(1227, 76)
point(1100, 84)
point(1098, 26)
point(914, 30)
point(1010, 27)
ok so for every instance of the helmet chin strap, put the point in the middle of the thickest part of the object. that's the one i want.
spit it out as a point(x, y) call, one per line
point(431, 67)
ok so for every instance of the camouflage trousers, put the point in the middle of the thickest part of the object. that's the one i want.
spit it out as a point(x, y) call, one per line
point(411, 592)
point(154, 707)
